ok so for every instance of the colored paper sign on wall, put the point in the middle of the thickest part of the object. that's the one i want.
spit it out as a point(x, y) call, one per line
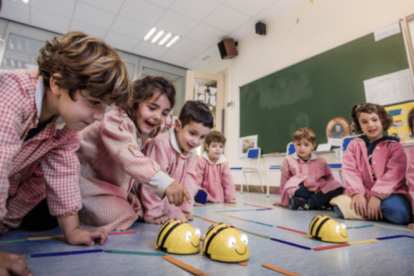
point(400, 128)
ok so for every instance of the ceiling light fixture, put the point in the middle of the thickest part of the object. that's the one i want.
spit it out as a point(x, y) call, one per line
point(25, 1)
point(174, 40)
point(149, 34)
point(157, 36)
point(164, 39)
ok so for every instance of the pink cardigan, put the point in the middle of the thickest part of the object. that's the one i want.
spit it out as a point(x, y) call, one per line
point(389, 163)
point(215, 178)
point(315, 175)
point(410, 177)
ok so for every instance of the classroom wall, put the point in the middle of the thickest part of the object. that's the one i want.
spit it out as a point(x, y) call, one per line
point(322, 26)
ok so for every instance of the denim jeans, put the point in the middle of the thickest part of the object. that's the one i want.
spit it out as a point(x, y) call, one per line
point(319, 199)
point(395, 209)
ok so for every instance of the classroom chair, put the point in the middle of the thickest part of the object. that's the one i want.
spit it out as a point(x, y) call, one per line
point(290, 149)
point(252, 165)
point(338, 167)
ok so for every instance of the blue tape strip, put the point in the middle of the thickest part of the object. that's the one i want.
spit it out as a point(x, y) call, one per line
point(66, 253)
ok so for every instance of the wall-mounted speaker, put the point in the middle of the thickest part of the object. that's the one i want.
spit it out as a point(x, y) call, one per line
point(260, 28)
point(227, 48)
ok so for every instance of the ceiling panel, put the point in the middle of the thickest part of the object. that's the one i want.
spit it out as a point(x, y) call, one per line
point(161, 3)
point(16, 11)
point(189, 47)
point(248, 7)
point(226, 19)
point(88, 29)
point(206, 34)
point(147, 49)
point(174, 57)
point(195, 9)
point(121, 42)
point(108, 5)
point(175, 23)
point(93, 16)
point(206, 55)
point(141, 11)
point(58, 7)
point(42, 20)
point(130, 28)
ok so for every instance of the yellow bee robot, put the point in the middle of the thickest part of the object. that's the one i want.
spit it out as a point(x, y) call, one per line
point(178, 237)
point(326, 229)
point(224, 243)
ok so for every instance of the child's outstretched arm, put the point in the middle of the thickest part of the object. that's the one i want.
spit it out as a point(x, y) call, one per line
point(13, 264)
point(76, 236)
point(228, 185)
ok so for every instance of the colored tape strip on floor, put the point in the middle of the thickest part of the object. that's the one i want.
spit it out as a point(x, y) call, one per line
point(363, 226)
point(258, 206)
point(396, 228)
point(54, 254)
point(121, 233)
point(292, 244)
point(45, 238)
point(229, 205)
point(134, 253)
point(391, 237)
point(330, 247)
point(280, 270)
point(293, 230)
point(361, 242)
point(184, 266)
point(256, 234)
point(11, 241)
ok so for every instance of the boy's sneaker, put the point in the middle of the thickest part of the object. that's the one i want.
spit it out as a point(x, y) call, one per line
point(298, 203)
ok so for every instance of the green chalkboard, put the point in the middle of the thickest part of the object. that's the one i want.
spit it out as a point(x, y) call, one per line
point(314, 91)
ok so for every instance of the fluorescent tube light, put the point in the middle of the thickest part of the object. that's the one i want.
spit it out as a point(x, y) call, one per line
point(149, 34)
point(175, 39)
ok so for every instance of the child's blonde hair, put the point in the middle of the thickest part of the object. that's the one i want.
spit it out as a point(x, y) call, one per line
point(306, 133)
point(215, 136)
point(85, 62)
point(357, 109)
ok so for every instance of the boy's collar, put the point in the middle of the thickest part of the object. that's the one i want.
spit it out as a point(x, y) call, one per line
point(174, 143)
point(221, 159)
point(312, 157)
point(40, 93)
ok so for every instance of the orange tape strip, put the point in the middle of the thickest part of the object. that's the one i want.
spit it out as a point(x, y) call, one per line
point(209, 220)
point(184, 266)
point(280, 270)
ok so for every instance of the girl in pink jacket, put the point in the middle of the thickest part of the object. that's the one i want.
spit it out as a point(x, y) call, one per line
point(112, 161)
point(307, 181)
point(374, 169)
point(213, 173)
point(410, 172)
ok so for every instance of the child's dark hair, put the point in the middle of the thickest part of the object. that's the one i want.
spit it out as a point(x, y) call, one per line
point(410, 120)
point(144, 89)
point(357, 109)
point(306, 133)
point(79, 61)
point(215, 136)
point(194, 111)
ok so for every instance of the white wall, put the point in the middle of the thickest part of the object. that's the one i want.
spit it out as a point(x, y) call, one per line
point(322, 26)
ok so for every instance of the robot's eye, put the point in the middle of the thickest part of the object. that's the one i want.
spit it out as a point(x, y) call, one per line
point(188, 236)
point(232, 241)
point(338, 229)
point(197, 232)
point(243, 238)
point(343, 226)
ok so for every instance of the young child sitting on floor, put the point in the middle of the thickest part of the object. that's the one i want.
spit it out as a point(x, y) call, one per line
point(173, 150)
point(374, 169)
point(410, 171)
point(307, 181)
point(215, 182)
point(111, 158)
point(41, 113)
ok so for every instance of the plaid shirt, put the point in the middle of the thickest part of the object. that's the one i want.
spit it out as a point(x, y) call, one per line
point(164, 150)
point(389, 163)
point(44, 166)
point(215, 178)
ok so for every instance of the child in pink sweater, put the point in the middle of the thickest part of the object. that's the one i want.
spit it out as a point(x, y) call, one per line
point(410, 172)
point(307, 181)
point(173, 150)
point(374, 169)
point(214, 178)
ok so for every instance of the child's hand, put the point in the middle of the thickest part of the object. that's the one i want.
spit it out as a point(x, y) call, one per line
point(177, 193)
point(277, 204)
point(13, 264)
point(88, 237)
point(198, 204)
point(374, 208)
point(3, 229)
point(360, 203)
point(230, 200)
point(411, 226)
point(134, 201)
